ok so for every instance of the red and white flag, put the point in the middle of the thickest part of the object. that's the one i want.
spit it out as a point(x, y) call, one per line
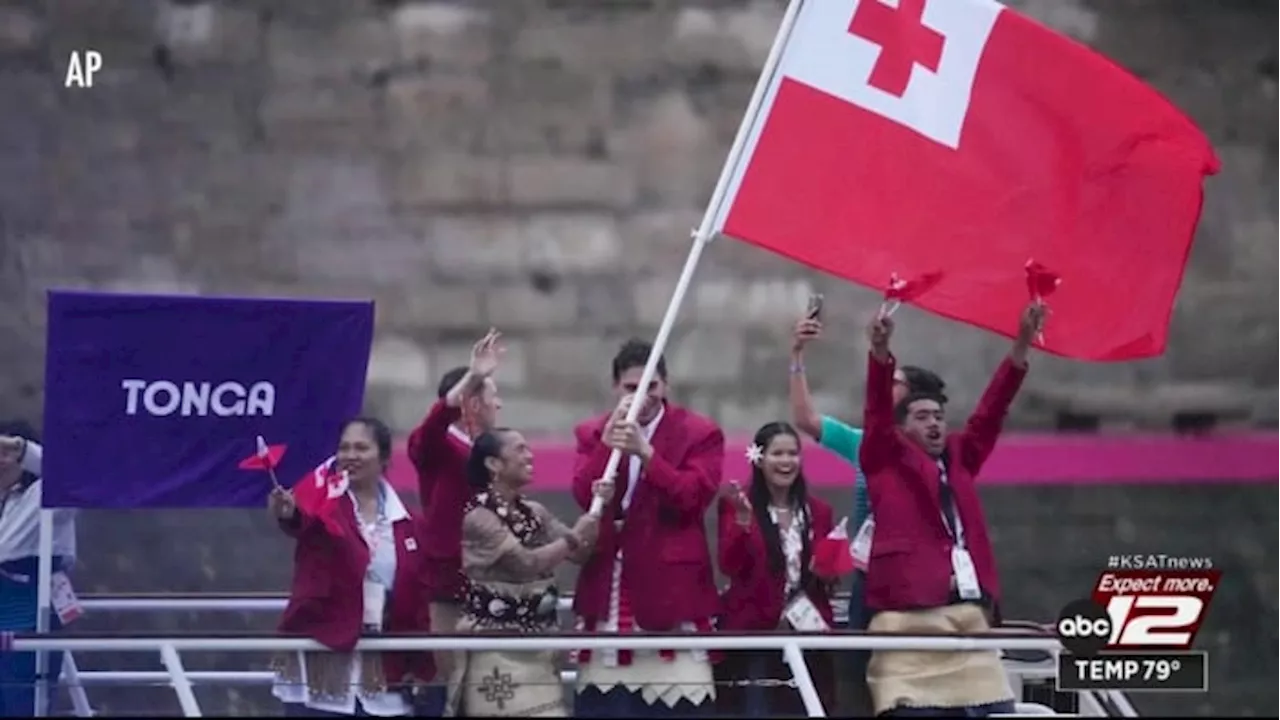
point(909, 137)
point(319, 493)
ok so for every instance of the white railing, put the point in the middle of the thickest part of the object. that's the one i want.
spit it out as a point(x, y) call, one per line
point(792, 646)
point(76, 681)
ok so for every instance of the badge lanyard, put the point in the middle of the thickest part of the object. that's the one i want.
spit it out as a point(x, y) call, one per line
point(966, 575)
point(372, 532)
point(375, 592)
point(947, 499)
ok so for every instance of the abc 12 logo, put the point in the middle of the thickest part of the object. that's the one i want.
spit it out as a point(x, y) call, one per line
point(1086, 628)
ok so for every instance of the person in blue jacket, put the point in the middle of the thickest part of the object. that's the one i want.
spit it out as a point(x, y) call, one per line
point(844, 440)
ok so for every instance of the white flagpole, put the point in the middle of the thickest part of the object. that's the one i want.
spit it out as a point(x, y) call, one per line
point(702, 235)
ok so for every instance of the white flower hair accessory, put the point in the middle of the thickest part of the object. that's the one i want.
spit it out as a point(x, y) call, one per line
point(755, 454)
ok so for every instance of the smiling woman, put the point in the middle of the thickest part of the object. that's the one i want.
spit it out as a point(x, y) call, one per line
point(767, 533)
point(511, 547)
point(355, 571)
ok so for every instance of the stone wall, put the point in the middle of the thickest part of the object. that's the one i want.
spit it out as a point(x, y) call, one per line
point(535, 165)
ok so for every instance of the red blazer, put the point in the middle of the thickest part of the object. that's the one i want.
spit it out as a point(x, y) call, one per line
point(754, 599)
point(666, 563)
point(910, 563)
point(440, 459)
point(326, 600)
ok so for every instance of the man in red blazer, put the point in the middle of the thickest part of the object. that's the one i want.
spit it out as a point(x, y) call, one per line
point(467, 405)
point(651, 569)
point(932, 568)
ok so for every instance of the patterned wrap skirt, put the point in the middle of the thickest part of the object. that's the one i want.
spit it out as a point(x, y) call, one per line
point(494, 683)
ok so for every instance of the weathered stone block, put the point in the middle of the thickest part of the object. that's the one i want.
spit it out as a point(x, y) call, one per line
point(607, 43)
point(21, 30)
point(707, 356)
point(775, 302)
point(651, 297)
point(441, 111)
point(543, 415)
point(557, 244)
point(601, 304)
point(443, 33)
point(673, 150)
point(349, 52)
point(400, 362)
point(429, 305)
point(449, 180)
point(333, 115)
point(207, 31)
point(573, 362)
point(124, 32)
point(543, 108)
point(736, 38)
point(471, 246)
point(572, 242)
point(659, 240)
point(152, 274)
point(520, 307)
point(534, 181)
point(400, 407)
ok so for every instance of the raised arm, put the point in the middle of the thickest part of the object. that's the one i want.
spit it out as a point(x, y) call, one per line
point(432, 433)
point(429, 437)
point(983, 428)
point(803, 413)
point(880, 442)
point(741, 544)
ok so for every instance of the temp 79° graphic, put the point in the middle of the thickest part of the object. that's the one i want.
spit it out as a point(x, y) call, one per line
point(1135, 632)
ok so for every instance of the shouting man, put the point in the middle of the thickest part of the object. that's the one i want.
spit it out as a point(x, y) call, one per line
point(932, 569)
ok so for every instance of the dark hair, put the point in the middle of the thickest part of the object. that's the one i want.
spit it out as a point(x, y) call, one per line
point(920, 380)
point(798, 495)
point(451, 378)
point(487, 444)
point(378, 429)
point(901, 410)
point(635, 353)
point(24, 430)
point(19, 428)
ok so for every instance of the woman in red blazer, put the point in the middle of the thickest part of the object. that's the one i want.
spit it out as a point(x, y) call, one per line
point(355, 571)
point(767, 534)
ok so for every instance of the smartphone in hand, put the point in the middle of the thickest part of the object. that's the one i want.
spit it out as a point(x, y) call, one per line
point(815, 307)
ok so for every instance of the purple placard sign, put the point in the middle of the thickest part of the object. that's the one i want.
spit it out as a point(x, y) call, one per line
point(154, 401)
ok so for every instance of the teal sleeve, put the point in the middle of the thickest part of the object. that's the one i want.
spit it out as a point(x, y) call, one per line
point(844, 441)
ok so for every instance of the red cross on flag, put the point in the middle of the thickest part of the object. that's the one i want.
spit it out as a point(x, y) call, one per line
point(960, 140)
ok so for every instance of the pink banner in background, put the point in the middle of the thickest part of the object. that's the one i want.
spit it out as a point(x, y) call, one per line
point(1019, 459)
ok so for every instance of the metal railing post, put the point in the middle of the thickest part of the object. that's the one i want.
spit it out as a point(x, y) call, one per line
point(71, 679)
point(804, 681)
point(181, 683)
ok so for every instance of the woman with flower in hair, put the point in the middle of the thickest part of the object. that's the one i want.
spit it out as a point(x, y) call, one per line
point(511, 547)
point(767, 533)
